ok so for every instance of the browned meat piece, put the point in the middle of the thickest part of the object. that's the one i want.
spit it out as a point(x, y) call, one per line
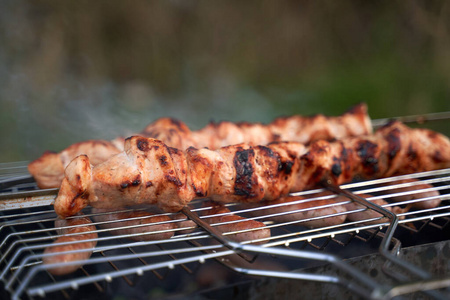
point(85, 237)
point(172, 132)
point(305, 211)
point(148, 171)
point(136, 225)
point(300, 129)
point(415, 188)
point(368, 214)
point(48, 170)
point(184, 223)
point(394, 149)
point(252, 230)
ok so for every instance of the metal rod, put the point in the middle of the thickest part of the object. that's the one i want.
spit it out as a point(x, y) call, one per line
point(238, 248)
point(10, 182)
point(376, 288)
point(384, 247)
point(386, 213)
point(290, 237)
point(419, 119)
point(216, 234)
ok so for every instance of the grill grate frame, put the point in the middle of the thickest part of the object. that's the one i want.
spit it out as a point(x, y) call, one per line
point(26, 232)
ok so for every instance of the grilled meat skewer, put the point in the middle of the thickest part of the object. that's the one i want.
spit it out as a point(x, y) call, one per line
point(48, 170)
point(304, 211)
point(417, 192)
point(252, 230)
point(137, 225)
point(297, 128)
point(82, 236)
point(358, 212)
point(148, 171)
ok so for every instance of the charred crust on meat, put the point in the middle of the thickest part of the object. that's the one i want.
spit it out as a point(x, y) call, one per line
point(344, 160)
point(198, 191)
point(178, 124)
point(191, 150)
point(292, 155)
point(174, 180)
point(336, 170)
point(143, 144)
point(163, 160)
point(133, 182)
point(82, 195)
point(136, 181)
point(285, 166)
point(317, 176)
point(266, 151)
point(438, 157)
point(173, 151)
point(243, 185)
point(308, 159)
point(344, 153)
point(366, 150)
point(201, 194)
point(412, 153)
point(394, 143)
point(336, 167)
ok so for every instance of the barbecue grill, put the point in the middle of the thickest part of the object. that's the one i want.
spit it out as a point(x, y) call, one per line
point(403, 254)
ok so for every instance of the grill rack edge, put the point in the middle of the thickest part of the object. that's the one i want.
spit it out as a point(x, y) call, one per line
point(22, 250)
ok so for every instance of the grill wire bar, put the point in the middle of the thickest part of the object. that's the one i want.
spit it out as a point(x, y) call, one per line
point(417, 119)
point(239, 248)
point(19, 269)
point(386, 241)
point(27, 229)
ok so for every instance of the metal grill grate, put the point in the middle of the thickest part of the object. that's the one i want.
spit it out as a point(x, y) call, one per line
point(148, 268)
point(26, 230)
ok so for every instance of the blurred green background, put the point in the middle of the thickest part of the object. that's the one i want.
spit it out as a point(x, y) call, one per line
point(75, 70)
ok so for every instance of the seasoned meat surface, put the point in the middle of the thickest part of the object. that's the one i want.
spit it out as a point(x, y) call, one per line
point(81, 236)
point(394, 149)
point(148, 171)
point(236, 228)
point(48, 170)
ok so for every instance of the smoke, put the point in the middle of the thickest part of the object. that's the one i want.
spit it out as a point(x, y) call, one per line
point(47, 103)
point(73, 111)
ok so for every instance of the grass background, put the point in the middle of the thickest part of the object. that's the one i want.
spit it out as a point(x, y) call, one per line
point(75, 70)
